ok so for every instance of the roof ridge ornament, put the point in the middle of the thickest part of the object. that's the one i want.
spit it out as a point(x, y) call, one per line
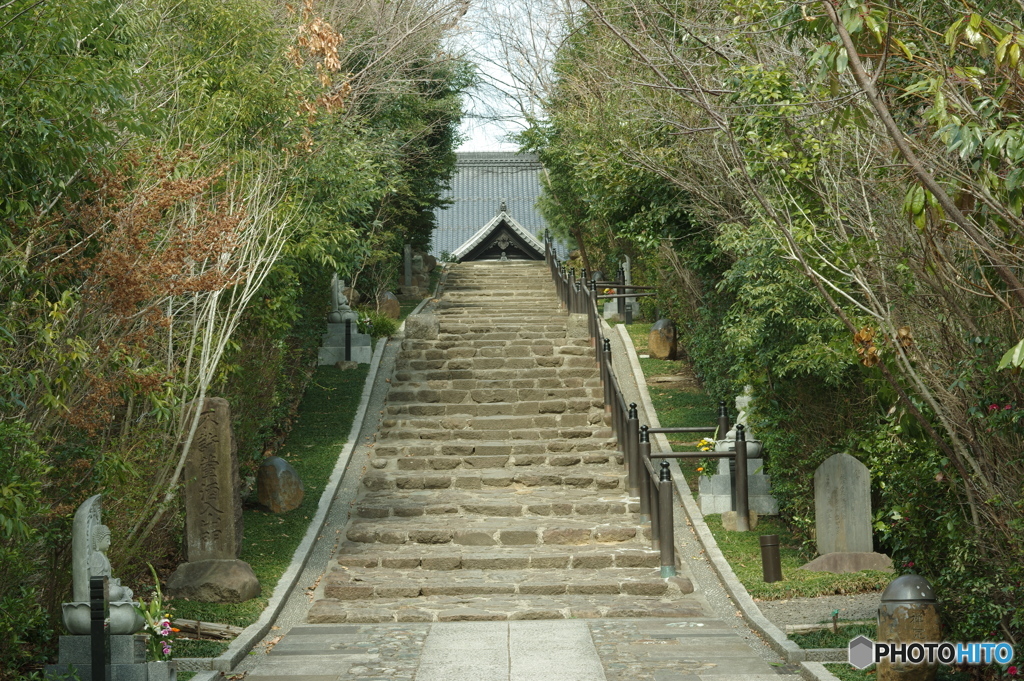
point(503, 208)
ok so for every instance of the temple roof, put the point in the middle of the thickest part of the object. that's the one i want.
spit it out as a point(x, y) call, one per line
point(500, 222)
point(482, 180)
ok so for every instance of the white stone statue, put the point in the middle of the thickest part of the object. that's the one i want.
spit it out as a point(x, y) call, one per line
point(90, 539)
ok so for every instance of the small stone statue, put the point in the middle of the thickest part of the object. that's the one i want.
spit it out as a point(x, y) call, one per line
point(90, 539)
point(340, 311)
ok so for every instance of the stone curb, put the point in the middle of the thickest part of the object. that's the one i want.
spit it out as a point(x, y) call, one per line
point(774, 636)
point(255, 632)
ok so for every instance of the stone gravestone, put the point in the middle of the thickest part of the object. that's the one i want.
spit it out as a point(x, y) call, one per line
point(213, 515)
point(278, 486)
point(842, 505)
point(842, 517)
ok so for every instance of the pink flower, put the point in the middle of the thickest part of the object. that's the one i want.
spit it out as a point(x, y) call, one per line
point(1012, 671)
point(993, 407)
point(1007, 407)
point(167, 648)
point(909, 564)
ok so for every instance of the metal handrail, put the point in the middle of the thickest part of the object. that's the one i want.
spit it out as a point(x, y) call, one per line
point(653, 485)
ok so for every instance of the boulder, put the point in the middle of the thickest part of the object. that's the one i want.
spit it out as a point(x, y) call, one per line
point(387, 304)
point(429, 262)
point(278, 486)
point(214, 581)
point(352, 295)
point(662, 341)
point(422, 326)
point(729, 520)
point(842, 562)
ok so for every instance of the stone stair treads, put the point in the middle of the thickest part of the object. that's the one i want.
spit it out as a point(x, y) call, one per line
point(495, 490)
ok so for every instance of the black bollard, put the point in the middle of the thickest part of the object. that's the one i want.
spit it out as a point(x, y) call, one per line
point(771, 563)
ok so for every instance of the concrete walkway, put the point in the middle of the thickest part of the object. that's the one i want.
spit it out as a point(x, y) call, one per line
point(579, 608)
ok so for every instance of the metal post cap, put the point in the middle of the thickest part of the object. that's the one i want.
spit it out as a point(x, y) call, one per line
point(632, 410)
point(607, 345)
point(666, 472)
point(909, 588)
point(740, 434)
point(644, 435)
point(769, 539)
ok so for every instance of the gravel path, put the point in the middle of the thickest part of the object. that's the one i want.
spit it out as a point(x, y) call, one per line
point(816, 610)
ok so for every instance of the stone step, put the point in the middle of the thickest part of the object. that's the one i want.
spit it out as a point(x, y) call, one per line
point(511, 607)
point(519, 434)
point(596, 476)
point(414, 462)
point(455, 557)
point(421, 344)
point(480, 447)
point(494, 351)
point(486, 364)
point(494, 422)
point(488, 392)
point(564, 405)
point(496, 532)
point(356, 584)
point(533, 502)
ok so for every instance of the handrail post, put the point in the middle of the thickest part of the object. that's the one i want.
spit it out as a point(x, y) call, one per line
point(666, 528)
point(632, 450)
point(742, 502)
point(607, 351)
point(654, 504)
point(592, 320)
point(723, 420)
point(643, 451)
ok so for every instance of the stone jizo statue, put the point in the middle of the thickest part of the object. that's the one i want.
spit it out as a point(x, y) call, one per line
point(90, 540)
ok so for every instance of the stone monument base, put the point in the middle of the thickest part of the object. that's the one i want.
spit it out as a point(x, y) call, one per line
point(214, 581)
point(729, 520)
point(842, 563)
point(127, 661)
point(715, 492)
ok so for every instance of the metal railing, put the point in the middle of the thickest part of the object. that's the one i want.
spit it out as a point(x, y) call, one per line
point(653, 485)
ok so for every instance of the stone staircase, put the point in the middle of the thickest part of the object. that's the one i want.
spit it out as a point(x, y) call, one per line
point(496, 491)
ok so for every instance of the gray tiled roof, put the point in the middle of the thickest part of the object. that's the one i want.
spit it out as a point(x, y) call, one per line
point(482, 179)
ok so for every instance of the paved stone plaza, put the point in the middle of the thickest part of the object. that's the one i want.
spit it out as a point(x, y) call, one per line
point(491, 536)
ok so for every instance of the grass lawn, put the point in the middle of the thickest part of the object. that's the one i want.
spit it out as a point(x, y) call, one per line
point(847, 673)
point(325, 418)
point(743, 551)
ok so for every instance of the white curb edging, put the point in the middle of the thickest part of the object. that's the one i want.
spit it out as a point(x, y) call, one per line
point(776, 638)
point(255, 632)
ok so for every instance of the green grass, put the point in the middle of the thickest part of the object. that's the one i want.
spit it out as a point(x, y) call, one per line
point(743, 551)
point(847, 673)
point(827, 639)
point(325, 418)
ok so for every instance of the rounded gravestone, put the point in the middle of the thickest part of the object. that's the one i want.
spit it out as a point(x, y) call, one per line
point(278, 486)
point(387, 304)
point(662, 340)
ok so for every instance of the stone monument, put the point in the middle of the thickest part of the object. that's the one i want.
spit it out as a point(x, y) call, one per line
point(213, 515)
point(90, 539)
point(716, 492)
point(125, 658)
point(842, 517)
point(341, 329)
